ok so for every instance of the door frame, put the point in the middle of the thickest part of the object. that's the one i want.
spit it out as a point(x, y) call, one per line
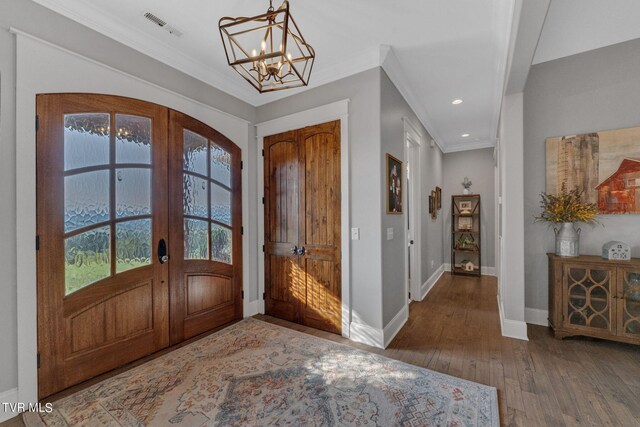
point(412, 145)
point(32, 80)
point(334, 111)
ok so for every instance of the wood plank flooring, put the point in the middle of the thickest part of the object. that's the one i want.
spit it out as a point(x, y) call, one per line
point(542, 382)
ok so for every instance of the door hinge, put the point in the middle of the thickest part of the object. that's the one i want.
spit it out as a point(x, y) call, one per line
point(37, 243)
point(37, 122)
point(264, 295)
point(262, 153)
point(263, 200)
point(262, 248)
point(242, 292)
point(242, 231)
point(38, 360)
point(241, 164)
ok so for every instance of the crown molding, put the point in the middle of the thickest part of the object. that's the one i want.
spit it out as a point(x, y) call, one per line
point(467, 146)
point(390, 64)
point(108, 25)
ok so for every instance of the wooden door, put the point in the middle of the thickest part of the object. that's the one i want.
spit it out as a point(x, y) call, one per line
point(206, 218)
point(101, 212)
point(302, 226)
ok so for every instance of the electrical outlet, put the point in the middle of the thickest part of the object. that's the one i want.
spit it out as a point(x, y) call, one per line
point(390, 233)
point(355, 233)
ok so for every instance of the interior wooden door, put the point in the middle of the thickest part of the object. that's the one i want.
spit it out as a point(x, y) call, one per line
point(303, 226)
point(206, 218)
point(101, 212)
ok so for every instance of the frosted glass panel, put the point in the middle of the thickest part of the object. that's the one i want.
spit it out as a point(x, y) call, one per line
point(221, 244)
point(195, 196)
point(133, 192)
point(220, 165)
point(86, 199)
point(220, 204)
point(86, 140)
point(196, 239)
point(133, 244)
point(195, 153)
point(87, 259)
point(133, 139)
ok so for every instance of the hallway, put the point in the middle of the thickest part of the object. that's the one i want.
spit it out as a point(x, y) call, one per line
point(456, 330)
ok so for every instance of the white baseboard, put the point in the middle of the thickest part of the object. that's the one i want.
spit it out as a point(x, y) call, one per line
point(394, 326)
point(366, 334)
point(512, 328)
point(484, 270)
point(426, 286)
point(9, 396)
point(251, 308)
point(535, 316)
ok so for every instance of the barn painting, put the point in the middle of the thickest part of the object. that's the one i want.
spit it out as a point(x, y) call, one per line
point(604, 165)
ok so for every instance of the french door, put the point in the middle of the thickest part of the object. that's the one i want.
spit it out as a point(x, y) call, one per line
point(302, 226)
point(113, 283)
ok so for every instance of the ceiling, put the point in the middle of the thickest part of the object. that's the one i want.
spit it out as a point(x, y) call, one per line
point(442, 50)
point(575, 26)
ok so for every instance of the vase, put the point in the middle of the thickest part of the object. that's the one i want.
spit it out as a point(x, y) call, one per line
point(567, 240)
point(466, 191)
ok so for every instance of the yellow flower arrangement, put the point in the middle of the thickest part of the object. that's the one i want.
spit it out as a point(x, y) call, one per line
point(567, 206)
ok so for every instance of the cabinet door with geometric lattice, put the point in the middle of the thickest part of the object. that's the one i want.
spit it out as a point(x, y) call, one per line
point(588, 298)
point(628, 298)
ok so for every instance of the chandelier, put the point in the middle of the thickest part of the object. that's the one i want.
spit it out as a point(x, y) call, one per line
point(268, 50)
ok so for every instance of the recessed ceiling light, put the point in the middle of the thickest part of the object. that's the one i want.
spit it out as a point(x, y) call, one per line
point(464, 135)
point(456, 101)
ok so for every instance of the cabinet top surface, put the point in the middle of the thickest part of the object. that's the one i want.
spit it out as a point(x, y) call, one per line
point(582, 259)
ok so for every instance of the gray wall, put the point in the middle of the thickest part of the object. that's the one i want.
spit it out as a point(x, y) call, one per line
point(393, 108)
point(363, 90)
point(478, 166)
point(591, 91)
point(39, 21)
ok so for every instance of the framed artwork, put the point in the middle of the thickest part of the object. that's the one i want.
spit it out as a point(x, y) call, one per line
point(433, 204)
point(394, 185)
point(604, 165)
point(438, 198)
point(465, 207)
point(465, 223)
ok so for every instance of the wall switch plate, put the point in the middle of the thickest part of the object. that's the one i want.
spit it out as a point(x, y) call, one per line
point(390, 233)
point(355, 233)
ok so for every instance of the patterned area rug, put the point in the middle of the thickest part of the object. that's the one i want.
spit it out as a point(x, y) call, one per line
point(255, 373)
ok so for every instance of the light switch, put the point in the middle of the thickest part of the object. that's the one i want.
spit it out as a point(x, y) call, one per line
point(390, 233)
point(355, 233)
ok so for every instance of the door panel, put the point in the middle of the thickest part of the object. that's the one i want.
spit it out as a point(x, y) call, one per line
point(302, 210)
point(103, 297)
point(206, 211)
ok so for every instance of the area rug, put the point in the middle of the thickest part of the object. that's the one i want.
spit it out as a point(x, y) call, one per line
point(257, 374)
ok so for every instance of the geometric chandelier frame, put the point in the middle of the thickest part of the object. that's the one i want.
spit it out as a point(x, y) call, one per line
point(268, 50)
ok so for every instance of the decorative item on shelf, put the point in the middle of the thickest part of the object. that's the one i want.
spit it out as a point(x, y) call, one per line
point(466, 184)
point(465, 207)
point(268, 50)
point(465, 223)
point(394, 185)
point(438, 198)
point(434, 210)
point(466, 242)
point(467, 265)
point(616, 250)
point(565, 209)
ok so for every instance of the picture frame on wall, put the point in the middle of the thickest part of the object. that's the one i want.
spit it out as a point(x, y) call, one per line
point(431, 204)
point(438, 198)
point(394, 185)
point(433, 208)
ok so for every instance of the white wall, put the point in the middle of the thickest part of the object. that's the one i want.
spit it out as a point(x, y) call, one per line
point(588, 92)
point(478, 165)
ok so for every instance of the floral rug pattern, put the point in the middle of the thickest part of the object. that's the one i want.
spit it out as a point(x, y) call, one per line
point(254, 373)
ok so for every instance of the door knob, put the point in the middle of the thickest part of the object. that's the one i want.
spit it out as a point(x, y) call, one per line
point(301, 250)
point(294, 250)
point(162, 252)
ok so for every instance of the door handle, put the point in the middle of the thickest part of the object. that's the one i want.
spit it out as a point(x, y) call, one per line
point(162, 251)
point(294, 250)
point(301, 250)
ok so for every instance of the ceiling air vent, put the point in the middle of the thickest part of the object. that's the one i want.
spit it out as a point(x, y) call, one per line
point(163, 24)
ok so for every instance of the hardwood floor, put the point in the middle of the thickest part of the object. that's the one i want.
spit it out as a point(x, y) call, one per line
point(542, 382)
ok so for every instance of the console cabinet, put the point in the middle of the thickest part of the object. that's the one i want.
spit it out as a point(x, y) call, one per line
point(595, 297)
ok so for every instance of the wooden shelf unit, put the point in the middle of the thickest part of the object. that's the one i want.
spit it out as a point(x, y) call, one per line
point(595, 297)
point(459, 254)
